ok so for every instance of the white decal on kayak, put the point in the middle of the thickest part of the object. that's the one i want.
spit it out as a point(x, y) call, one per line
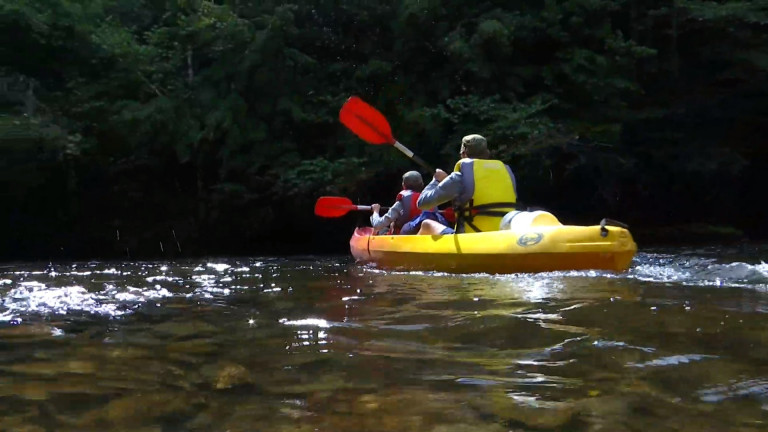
point(529, 239)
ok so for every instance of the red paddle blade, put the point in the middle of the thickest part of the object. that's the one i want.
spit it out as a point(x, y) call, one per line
point(366, 122)
point(331, 207)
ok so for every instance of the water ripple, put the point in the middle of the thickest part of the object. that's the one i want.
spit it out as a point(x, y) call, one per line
point(757, 388)
point(671, 360)
point(38, 298)
point(700, 271)
point(616, 344)
point(113, 291)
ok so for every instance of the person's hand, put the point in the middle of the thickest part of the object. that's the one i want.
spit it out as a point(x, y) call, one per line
point(440, 175)
point(375, 208)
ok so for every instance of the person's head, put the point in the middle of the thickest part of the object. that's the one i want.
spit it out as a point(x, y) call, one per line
point(412, 180)
point(475, 147)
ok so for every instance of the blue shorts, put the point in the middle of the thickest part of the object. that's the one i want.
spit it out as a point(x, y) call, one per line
point(412, 227)
point(448, 231)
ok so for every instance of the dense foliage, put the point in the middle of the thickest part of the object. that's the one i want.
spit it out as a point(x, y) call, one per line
point(148, 128)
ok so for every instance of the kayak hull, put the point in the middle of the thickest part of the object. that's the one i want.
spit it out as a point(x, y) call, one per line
point(536, 249)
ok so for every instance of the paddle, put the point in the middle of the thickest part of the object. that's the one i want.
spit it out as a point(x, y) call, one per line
point(371, 126)
point(333, 207)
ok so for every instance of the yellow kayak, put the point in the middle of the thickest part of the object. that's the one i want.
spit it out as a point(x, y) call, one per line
point(538, 244)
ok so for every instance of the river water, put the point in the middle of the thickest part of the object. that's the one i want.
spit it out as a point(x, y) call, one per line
point(680, 342)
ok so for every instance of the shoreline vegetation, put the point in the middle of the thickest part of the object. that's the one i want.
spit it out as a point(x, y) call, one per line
point(143, 129)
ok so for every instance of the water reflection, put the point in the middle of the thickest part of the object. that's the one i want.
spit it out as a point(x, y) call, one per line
point(322, 344)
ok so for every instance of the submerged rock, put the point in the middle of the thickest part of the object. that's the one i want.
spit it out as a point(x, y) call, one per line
point(531, 411)
point(231, 375)
point(185, 329)
point(193, 346)
point(26, 428)
point(470, 428)
point(53, 368)
point(31, 390)
point(21, 423)
point(140, 409)
point(33, 332)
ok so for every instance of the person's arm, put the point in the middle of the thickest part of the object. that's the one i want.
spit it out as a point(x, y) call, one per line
point(378, 222)
point(438, 192)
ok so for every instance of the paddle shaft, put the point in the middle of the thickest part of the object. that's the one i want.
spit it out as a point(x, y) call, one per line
point(367, 208)
point(413, 157)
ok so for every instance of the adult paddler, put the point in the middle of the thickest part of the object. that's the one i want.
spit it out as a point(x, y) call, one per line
point(482, 190)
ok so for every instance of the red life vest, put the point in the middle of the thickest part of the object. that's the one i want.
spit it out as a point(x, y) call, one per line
point(410, 209)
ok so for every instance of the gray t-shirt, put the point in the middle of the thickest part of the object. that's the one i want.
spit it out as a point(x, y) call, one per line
point(436, 193)
point(381, 223)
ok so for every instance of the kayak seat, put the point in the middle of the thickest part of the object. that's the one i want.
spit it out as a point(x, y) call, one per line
point(522, 220)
